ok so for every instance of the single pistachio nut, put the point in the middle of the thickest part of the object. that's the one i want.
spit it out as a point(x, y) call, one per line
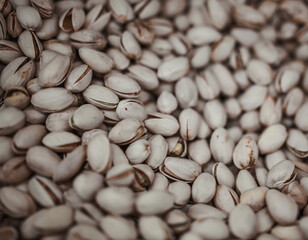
point(17, 97)
point(28, 17)
point(61, 141)
point(72, 19)
point(11, 120)
point(245, 153)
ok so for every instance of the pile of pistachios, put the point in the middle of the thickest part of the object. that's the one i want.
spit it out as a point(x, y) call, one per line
point(153, 119)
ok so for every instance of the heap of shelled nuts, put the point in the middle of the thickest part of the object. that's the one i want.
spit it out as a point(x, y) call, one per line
point(148, 119)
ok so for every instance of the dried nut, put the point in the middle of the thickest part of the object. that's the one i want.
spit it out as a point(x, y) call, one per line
point(16, 203)
point(225, 198)
point(180, 169)
point(28, 137)
point(186, 92)
point(131, 108)
point(199, 151)
point(293, 101)
point(52, 99)
point(297, 192)
point(177, 147)
point(220, 139)
point(120, 175)
point(30, 45)
point(17, 73)
point(210, 228)
point(265, 221)
point(207, 84)
point(300, 119)
point(200, 194)
point(287, 232)
point(79, 78)
point(6, 152)
point(129, 45)
point(86, 117)
point(163, 124)
point(45, 8)
point(9, 51)
point(59, 121)
point(243, 215)
point(222, 48)
point(173, 69)
point(53, 48)
point(154, 202)
point(138, 151)
point(34, 160)
point(121, 62)
point(14, 171)
point(100, 96)
point(271, 111)
point(127, 131)
point(245, 153)
point(178, 220)
point(17, 97)
point(44, 191)
point(215, 114)
point(282, 208)
point(123, 85)
point(245, 181)
point(144, 76)
point(96, 60)
point(116, 200)
point(88, 38)
point(8, 233)
point(141, 31)
point(272, 138)
point(297, 143)
point(204, 211)
point(181, 192)
point(144, 177)
point(55, 71)
point(116, 227)
point(121, 11)
point(13, 26)
point(255, 197)
point(153, 227)
point(253, 97)
point(84, 231)
point(49, 27)
point(72, 19)
point(97, 18)
point(99, 153)
point(159, 149)
point(11, 120)
point(118, 155)
point(281, 174)
point(247, 16)
point(223, 174)
point(201, 35)
point(70, 164)
point(61, 141)
point(166, 102)
point(29, 18)
point(189, 120)
point(82, 187)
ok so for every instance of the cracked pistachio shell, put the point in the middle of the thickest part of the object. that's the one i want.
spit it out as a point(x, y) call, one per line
point(9, 51)
point(96, 60)
point(79, 78)
point(28, 137)
point(52, 99)
point(30, 45)
point(16, 203)
point(29, 18)
point(225, 198)
point(281, 174)
point(163, 124)
point(127, 131)
point(44, 191)
point(245, 153)
point(55, 72)
point(100, 96)
point(129, 45)
point(177, 147)
point(59, 121)
point(144, 76)
point(45, 8)
point(243, 222)
point(122, 85)
point(144, 177)
point(180, 169)
point(86, 117)
point(61, 141)
point(223, 174)
point(116, 200)
point(72, 19)
point(154, 202)
point(99, 154)
point(297, 192)
point(11, 120)
point(282, 208)
point(17, 97)
point(34, 160)
point(120, 175)
point(272, 138)
point(121, 11)
point(17, 73)
point(159, 147)
point(70, 164)
point(88, 38)
point(297, 143)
